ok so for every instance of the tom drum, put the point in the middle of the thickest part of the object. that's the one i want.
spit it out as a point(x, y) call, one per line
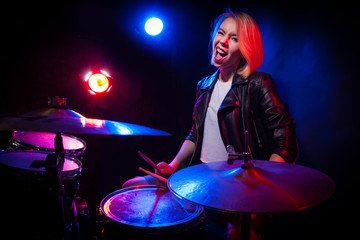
point(150, 212)
point(44, 141)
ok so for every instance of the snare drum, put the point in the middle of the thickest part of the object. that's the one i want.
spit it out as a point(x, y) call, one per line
point(44, 141)
point(18, 167)
point(150, 212)
point(22, 161)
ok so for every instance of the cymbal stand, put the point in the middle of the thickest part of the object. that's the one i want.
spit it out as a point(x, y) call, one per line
point(232, 156)
point(53, 166)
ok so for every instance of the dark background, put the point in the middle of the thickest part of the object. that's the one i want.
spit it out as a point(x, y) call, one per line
point(311, 50)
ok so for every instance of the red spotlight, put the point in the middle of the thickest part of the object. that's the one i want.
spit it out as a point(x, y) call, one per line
point(98, 82)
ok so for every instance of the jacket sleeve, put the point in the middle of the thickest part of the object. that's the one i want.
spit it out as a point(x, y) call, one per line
point(278, 122)
point(192, 136)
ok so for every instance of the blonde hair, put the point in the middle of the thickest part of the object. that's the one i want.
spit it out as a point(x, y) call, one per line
point(250, 40)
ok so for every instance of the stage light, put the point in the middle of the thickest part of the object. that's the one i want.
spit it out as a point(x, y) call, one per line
point(153, 26)
point(98, 83)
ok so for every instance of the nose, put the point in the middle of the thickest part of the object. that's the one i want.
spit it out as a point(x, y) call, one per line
point(224, 41)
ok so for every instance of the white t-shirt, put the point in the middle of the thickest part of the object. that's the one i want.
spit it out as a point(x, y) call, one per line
point(213, 148)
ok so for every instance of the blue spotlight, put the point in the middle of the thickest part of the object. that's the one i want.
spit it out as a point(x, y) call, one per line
point(153, 26)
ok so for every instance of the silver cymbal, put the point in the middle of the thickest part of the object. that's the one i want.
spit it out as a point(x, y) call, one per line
point(74, 125)
point(54, 112)
point(268, 187)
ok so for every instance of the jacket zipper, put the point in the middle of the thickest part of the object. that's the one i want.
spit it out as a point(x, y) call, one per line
point(256, 131)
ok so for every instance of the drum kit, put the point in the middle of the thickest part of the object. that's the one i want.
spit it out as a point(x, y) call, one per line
point(44, 158)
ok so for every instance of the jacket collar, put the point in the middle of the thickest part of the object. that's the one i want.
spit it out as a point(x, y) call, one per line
point(211, 80)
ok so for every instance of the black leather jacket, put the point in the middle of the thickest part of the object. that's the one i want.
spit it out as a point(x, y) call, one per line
point(252, 104)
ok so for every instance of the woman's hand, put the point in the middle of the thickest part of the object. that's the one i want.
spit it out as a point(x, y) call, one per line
point(165, 169)
point(184, 153)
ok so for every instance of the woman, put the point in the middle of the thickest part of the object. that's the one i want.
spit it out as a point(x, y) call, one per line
point(234, 99)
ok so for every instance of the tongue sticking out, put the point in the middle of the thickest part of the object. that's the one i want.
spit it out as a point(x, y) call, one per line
point(219, 56)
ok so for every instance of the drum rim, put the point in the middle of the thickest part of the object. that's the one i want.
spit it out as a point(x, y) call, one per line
point(197, 213)
point(6, 151)
point(74, 151)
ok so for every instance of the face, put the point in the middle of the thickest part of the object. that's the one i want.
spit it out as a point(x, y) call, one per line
point(226, 51)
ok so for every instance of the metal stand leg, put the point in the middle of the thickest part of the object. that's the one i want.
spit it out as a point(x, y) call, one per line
point(54, 165)
point(245, 226)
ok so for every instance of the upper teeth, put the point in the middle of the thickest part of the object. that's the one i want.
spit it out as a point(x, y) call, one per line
point(221, 51)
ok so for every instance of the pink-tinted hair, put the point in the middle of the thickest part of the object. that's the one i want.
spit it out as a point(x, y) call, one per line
point(250, 40)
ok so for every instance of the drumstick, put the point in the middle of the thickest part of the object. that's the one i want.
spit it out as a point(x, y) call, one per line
point(164, 180)
point(149, 161)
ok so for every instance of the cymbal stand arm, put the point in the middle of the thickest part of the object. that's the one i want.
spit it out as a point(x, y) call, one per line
point(246, 154)
point(53, 166)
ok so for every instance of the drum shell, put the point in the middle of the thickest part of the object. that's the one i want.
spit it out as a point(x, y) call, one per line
point(190, 229)
point(16, 178)
point(31, 205)
point(26, 140)
point(23, 168)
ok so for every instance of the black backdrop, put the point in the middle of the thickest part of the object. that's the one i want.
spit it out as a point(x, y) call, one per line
point(311, 50)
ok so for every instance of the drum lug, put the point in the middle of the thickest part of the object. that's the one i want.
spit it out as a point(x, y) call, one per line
point(100, 223)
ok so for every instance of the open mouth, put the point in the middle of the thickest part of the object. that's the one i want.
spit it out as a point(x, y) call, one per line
point(220, 52)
